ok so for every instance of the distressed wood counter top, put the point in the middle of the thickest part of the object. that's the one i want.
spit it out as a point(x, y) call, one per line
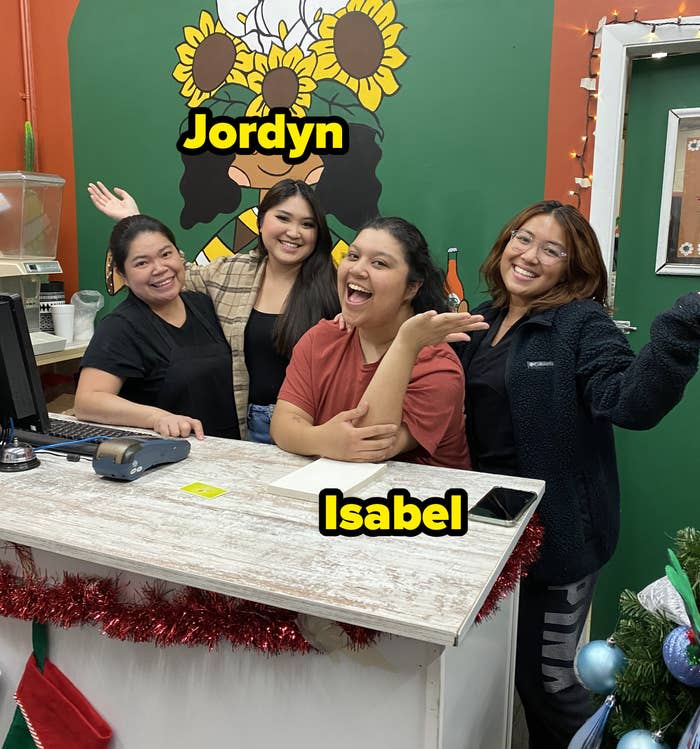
point(262, 547)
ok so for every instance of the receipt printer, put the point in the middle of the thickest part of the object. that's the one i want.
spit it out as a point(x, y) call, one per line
point(126, 458)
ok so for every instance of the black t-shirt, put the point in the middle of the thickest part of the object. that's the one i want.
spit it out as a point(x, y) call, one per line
point(133, 343)
point(491, 444)
point(266, 366)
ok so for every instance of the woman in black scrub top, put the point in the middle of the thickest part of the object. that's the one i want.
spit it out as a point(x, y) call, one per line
point(545, 385)
point(160, 359)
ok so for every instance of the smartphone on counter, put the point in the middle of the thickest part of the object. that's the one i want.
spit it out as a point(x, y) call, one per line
point(502, 506)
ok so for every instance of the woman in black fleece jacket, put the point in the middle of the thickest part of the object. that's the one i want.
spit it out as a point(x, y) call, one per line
point(545, 385)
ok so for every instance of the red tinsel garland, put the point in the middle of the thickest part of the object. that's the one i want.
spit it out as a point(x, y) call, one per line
point(198, 617)
point(525, 554)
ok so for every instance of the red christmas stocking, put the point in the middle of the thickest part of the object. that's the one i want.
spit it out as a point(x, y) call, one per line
point(56, 714)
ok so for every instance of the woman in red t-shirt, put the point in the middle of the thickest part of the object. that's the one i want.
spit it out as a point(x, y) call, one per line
point(390, 385)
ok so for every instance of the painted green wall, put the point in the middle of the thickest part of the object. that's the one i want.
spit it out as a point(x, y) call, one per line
point(465, 136)
point(659, 475)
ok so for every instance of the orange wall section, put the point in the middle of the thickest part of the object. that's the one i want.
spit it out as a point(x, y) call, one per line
point(50, 26)
point(571, 46)
point(50, 23)
point(11, 89)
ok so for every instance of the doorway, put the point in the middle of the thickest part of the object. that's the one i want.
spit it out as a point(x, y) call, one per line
point(659, 474)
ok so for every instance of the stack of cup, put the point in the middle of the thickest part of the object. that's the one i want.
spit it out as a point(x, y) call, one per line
point(51, 293)
point(63, 315)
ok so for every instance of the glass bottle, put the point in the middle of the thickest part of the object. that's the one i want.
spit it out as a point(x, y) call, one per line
point(453, 284)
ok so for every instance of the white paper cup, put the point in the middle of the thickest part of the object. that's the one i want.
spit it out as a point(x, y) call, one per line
point(63, 315)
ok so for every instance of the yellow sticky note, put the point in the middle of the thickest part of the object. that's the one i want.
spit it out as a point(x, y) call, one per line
point(204, 490)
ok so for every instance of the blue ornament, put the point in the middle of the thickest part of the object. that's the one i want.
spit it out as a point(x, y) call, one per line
point(598, 664)
point(676, 657)
point(590, 735)
point(641, 739)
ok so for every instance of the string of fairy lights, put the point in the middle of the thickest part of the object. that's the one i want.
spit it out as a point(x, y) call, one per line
point(584, 180)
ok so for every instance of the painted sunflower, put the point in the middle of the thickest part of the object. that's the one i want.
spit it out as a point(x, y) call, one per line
point(209, 58)
point(281, 79)
point(358, 49)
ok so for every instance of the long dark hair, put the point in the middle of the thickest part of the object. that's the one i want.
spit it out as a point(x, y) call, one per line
point(313, 295)
point(126, 230)
point(421, 268)
point(348, 188)
point(585, 276)
point(206, 188)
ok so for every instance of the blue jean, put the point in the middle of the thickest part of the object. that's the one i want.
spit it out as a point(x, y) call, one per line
point(259, 423)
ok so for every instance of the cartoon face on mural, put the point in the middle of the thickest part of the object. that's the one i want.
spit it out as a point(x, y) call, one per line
point(303, 57)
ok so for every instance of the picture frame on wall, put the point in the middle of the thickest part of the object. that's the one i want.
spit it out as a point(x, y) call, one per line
point(678, 247)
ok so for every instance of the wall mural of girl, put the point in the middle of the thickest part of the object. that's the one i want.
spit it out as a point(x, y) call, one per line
point(313, 57)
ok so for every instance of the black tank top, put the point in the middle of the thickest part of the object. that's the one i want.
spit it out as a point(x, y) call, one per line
point(266, 367)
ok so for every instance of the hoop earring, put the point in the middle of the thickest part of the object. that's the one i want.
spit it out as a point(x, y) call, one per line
point(113, 279)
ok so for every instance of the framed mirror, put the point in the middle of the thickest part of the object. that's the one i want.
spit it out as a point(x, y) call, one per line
point(678, 247)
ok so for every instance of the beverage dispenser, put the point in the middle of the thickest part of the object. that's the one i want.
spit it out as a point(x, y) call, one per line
point(30, 213)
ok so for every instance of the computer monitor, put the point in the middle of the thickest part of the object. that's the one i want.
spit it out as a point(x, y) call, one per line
point(21, 396)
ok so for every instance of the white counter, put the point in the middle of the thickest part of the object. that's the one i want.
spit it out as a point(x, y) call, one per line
point(266, 548)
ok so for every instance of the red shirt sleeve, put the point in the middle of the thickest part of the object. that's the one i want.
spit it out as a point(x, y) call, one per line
point(297, 387)
point(434, 399)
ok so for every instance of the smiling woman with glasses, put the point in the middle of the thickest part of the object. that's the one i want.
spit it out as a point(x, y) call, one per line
point(545, 385)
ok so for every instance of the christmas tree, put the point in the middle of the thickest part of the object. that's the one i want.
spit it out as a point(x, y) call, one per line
point(647, 695)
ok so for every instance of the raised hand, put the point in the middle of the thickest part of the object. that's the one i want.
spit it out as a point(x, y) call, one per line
point(429, 328)
point(176, 425)
point(342, 440)
point(117, 206)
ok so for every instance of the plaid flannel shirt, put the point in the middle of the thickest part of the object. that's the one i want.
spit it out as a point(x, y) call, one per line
point(232, 282)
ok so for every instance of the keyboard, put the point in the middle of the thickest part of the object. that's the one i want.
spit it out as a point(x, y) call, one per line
point(61, 430)
point(76, 430)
